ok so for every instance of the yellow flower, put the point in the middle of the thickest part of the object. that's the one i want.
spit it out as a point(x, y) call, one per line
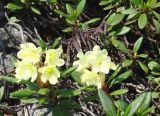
point(82, 63)
point(49, 73)
point(93, 65)
point(92, 78)
point(53, 57)
point(25, 71)
point(99, 60)
point(29, 53)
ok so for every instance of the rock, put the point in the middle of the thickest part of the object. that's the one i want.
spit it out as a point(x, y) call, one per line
point(6, 63)
point(10, 39)
point(32, 112)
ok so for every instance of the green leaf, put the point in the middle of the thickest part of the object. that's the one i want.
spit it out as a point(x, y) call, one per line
point(156, 14)
point(157, 5)
point(122, 30)
point(35, 10)
point(107, 103)
point(155, 73)
point(60, 13)
point(67, 30)
point(70, 10)
point(142, 21)
point(157, 80)
point(132, 16)
point(29, 101)
point(65, 104)
point(121, 104)
point(118, 10)
point(148, 111)
point(146, 103)
point(127, 63)
point(68, 93)
point(13, 20)
point(119, 92)
point(68, 71)
point(129, 11)
point(56, 43)
point(71, 19)
point(89, 99)
point(116, 72)
point(154, 66)
point(121, 77)
point(23, 1)
point(136, 2)
point(151, 3)
point(58, 111)
point(114, 19)
point(105, 2)
point(120, 45)
point(133, 107)
point(14, 80)
point(76, 76)
point(44, 91)
point(155, 94)
point(90, 22)
point(157, 25)
point(80, 7)
point(108, 7)
point(9, 79)
point(23, 93)
point(13, 6)
point(1, 92)
point(143, 66)
point(137, 45)
point(142, 55)
point(42, 101)
point(52, 1)
point(42, 44)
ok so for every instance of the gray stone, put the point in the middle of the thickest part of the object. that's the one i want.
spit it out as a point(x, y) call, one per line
point(10, 39)
point(33, 112)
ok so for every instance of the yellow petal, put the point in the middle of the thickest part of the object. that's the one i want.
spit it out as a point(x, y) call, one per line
point(82, 63)
point(53, 80)
point(49, 73)
point(29, 53)
point(53, 57)
point(25, 71)
point(92, 78)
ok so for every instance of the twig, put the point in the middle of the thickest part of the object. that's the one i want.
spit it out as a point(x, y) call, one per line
point(36, 32)
point(86, 109)
point(17, 26)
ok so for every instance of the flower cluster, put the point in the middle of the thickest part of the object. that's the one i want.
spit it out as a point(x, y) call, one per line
point(93, 65)
point(31, 66)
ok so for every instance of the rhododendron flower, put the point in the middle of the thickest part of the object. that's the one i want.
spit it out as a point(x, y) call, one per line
point(32, 66)
point(93, 65)
point(29, 53)
point(25, 71)
point(53, 57)
point(92, 78)
point(82, 63)
point(49, 73)
point(99, 60)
